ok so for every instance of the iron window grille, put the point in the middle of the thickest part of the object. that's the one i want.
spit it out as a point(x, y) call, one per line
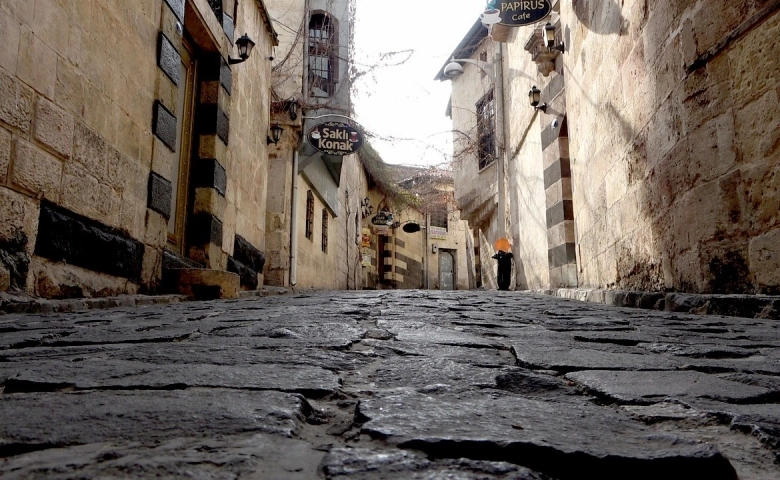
point(216, 7)
point(309, 215)
point(325, 230)
point(486, 132)
point(323, 58)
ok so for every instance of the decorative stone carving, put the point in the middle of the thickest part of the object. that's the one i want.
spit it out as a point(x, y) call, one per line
point(541, 55)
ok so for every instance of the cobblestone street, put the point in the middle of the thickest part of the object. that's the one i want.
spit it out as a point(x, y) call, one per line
point(389, 384)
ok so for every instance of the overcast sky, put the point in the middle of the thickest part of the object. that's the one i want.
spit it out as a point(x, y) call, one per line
point(405, 102)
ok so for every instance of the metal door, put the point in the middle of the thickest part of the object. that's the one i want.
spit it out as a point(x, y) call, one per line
point(446, 269)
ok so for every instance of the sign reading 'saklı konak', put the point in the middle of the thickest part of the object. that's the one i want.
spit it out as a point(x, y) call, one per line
point(335, 138)
point(519, 12)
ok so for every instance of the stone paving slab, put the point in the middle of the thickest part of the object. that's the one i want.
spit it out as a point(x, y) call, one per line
point(571, 440)
point(427, 371)
point(261, 456)
point(475, 356)
point(65, 419)
point(118, 374)
point(642, 387)
point(761, 420)
point(573, 359)
point(425, 332)
point(379, 465)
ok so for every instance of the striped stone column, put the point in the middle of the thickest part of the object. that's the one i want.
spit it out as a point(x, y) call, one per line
point(561, 243)
point(208, 173)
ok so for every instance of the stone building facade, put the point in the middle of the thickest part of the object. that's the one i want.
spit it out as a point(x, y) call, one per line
point(313, 212)
point(653, 162)
point(436, 253)
point(128, 142)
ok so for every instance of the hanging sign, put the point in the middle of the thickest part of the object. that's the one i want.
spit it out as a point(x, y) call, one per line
point(365, 238)
point(335, 138)
point(516, 13)
point(382, 218)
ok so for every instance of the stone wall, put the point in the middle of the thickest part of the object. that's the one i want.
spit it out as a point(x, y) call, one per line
point(247, 166)
point(88, 140)
point(476, 189)
point(338, 267)
point(673, 124)
point(526, 190)
point(77, 83)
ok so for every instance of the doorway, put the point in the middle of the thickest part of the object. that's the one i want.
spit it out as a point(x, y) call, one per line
point(446, 269)
point(185, 110)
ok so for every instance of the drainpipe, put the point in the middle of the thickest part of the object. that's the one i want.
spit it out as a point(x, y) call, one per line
point(427, 267)
point(498, 65)
point(294, 223)
point(294, 206)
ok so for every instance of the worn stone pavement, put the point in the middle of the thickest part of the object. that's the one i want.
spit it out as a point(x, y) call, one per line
point(389, 384)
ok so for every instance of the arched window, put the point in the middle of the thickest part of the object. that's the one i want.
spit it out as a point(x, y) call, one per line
point(486, 126)
point(323, 55)
point(309, 215)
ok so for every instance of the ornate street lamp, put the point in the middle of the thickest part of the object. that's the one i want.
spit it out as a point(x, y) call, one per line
point(245, 46)
point(276, 134)
point(549, 36)
point(534, 96)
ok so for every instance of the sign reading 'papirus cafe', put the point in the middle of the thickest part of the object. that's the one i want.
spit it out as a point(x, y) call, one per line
point(335, 138)
point(516, 13)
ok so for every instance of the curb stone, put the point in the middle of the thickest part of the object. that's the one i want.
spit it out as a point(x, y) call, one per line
point(10, 303)
point(749, 306)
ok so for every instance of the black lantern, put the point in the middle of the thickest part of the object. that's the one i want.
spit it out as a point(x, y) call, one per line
point(292, 108)
point(276, 134)
point(245, 45)
point(549, 36)
point(534, 96)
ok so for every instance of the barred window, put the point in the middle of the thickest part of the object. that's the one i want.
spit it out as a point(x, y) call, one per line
point(323, 55)
point(439, 218)
point(486, 134)
point(324, 230)
point(309, 215)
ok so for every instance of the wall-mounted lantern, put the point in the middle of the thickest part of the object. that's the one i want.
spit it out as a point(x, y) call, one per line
point(366, 208)
point(291, 106)
point(245, 46)
point(534, 96)
point(276, 134)
point(543, 56)
point(549, 36)
point(455, 69)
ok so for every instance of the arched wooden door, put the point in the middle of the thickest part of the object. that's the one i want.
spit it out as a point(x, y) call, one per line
point(446, 269)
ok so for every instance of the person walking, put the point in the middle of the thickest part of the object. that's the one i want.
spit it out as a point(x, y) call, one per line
point(504, 268)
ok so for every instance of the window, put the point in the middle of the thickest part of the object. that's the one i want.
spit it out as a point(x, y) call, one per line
point(216, 7)
point(323, 58)
point(324, 230)
point(482, 58)
point(439, 218)
point(309, 215)
point(486, 136)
